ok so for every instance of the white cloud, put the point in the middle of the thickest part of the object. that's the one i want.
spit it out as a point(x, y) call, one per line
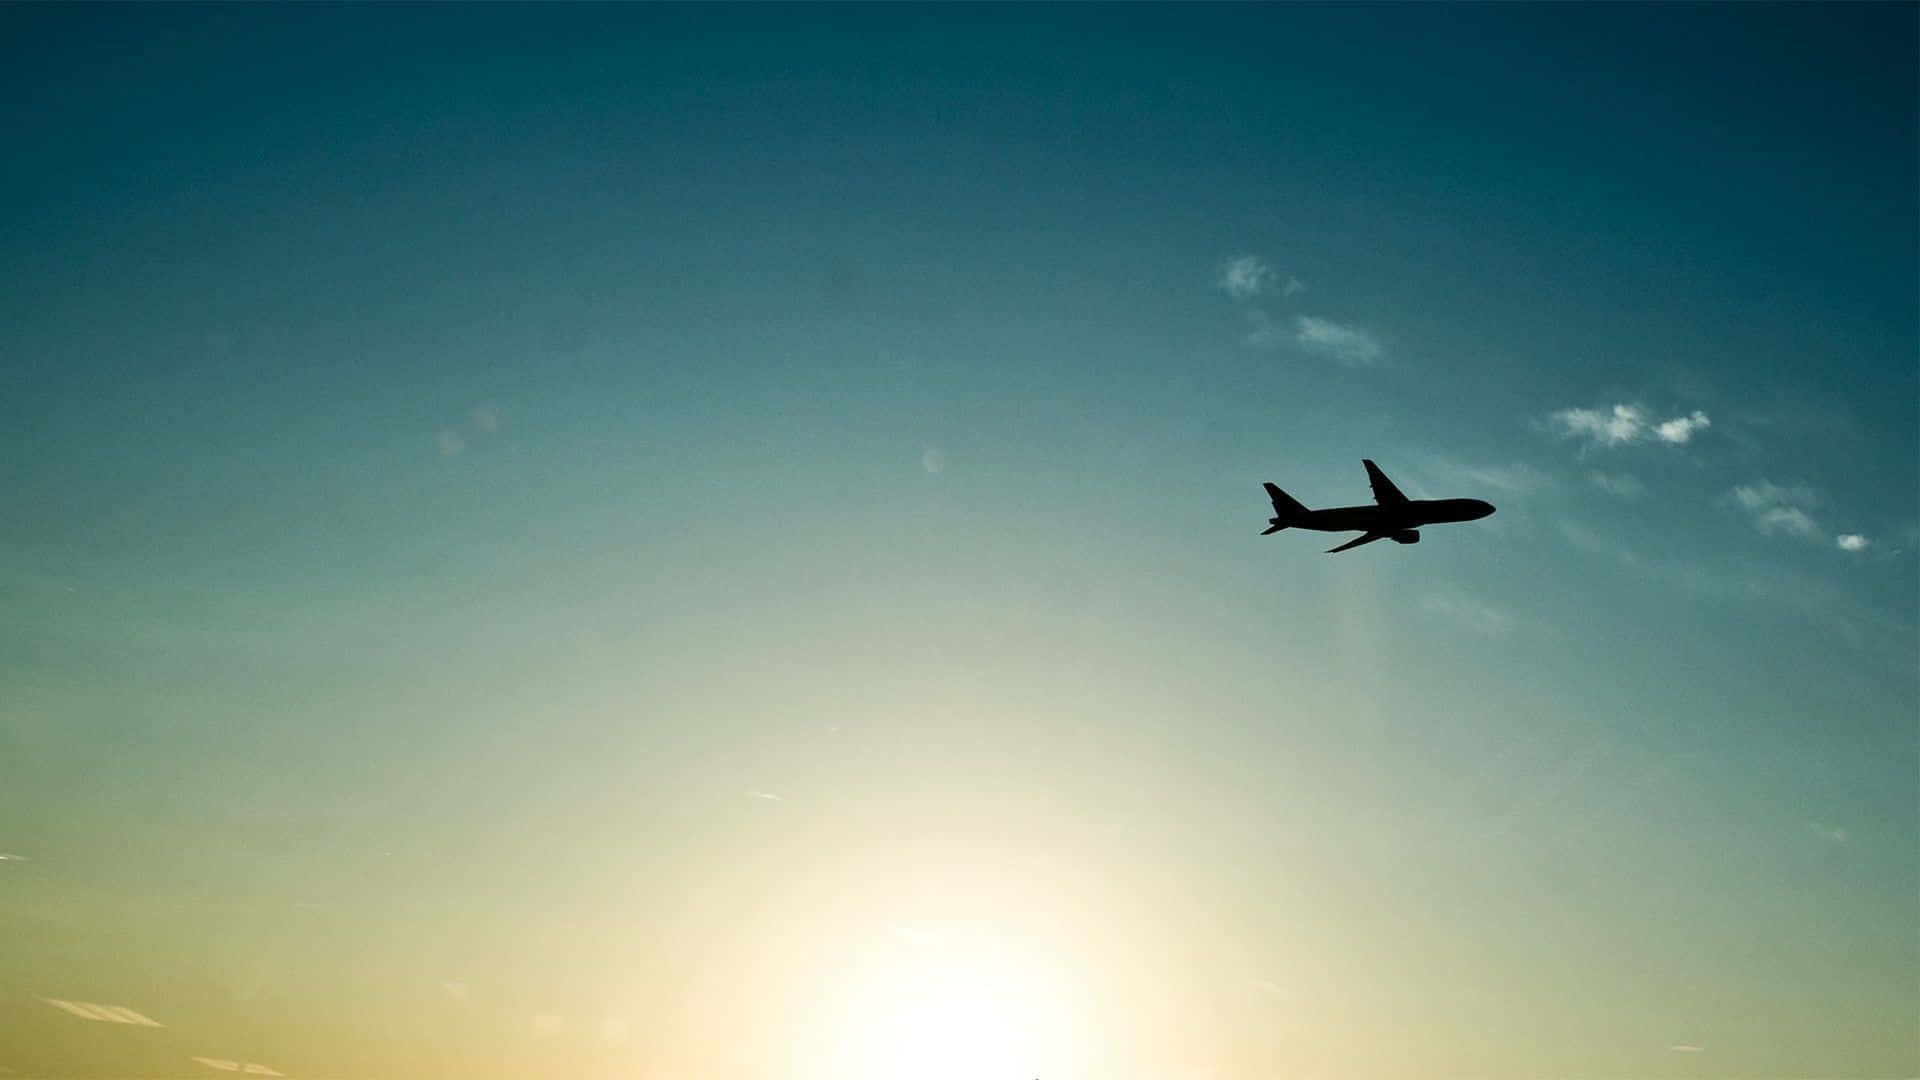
point(1621, 424)
point(1247, 276)
point(932, 460)
point(767, 795)
point(1625, 485)
point(1681, 428)
point(1347, 344)
point(1687, 1048)
point(1852, 542)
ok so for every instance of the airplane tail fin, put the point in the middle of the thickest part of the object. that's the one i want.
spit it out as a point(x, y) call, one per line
point(1286, 510)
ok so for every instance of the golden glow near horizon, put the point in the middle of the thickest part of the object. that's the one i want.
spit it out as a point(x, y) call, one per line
point(942, 1006)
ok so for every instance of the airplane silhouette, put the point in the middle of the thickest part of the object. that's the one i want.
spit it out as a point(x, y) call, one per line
point(1392, 515)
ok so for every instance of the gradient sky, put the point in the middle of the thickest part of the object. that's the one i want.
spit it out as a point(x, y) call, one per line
point(643, 542)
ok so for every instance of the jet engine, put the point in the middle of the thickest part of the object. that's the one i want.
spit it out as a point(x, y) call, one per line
point(1407, 536)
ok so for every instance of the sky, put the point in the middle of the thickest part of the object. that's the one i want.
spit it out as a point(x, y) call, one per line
point(709, 542)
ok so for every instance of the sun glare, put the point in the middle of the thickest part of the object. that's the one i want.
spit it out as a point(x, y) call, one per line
point(942, 1008)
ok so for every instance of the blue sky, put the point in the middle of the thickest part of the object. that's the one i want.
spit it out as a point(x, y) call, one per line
point(592, 531)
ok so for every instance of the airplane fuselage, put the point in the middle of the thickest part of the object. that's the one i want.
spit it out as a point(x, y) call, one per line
point(1391, 518)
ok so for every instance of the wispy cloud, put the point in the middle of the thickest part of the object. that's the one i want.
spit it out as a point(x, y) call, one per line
point(1851, 542)
point(1464, 610)
point(1811, 596)
point(1517, 478)
point(108, 1014)
point(1687, 1048)
point(767, 795)
point(248, 1068)
point(1625, 485)
point(1263, 332)
point(1775, 509)
point(1247, 276)
point(1622, 424)
point(1832, 833)
point(1347, 344)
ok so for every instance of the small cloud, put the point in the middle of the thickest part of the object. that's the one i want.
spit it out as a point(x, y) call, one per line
point(1621, 424)
point(1293, 287)
point(1246, 277)
point(458, 991)
point(8, 856)
point(1681, 428)
point(1852, 542)
point(1347, 344)
point(450, 443)
point(767, 795)
point(932, 460)
point(1687, 1048)
point(1624, 485)
point(486, 418)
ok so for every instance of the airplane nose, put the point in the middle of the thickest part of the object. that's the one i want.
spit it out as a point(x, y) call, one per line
point(1485, 508)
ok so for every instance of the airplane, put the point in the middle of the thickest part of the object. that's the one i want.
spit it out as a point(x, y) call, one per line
point(1392, 515)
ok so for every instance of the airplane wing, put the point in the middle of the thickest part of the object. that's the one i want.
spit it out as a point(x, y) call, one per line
point(1384, 492)
point(1368, 538)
